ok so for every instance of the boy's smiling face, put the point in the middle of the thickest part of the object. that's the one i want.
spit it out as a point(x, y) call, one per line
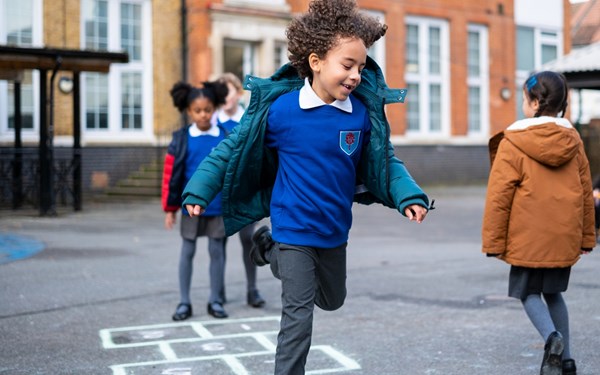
point(337, 74)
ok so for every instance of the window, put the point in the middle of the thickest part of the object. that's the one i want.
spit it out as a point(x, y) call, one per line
point(20, 25)
point(427, 76)
point(535, 47)
point(280, 55)
point(118, 25)
point(477, 80)
point(239, 58)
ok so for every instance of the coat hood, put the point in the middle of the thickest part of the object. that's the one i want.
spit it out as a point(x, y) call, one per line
point(551, 141)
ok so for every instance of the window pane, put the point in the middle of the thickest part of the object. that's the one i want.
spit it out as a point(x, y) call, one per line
point(549, 53)
point(525, 49)
point(26, 102)
point(131, 24)
point(96, 25)
point(412, 48)
point(435, 107)
point(96, 101)
point(131, 100)
point(474, 109)
point(474, 54)
point(435, 49)
point(238, 57)
point(19, 22)
point(412, 102)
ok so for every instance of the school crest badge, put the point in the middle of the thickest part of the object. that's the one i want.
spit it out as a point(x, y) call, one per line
point(349, 141)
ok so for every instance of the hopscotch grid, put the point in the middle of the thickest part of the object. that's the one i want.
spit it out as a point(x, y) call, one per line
point(198, 327)
point(347, 363)
point(232, 360)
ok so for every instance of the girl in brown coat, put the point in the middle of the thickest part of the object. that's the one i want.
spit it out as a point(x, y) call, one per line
point(539, 212)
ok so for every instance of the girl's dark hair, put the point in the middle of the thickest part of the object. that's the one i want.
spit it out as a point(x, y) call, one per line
point(184, 94)
point(551, 91)
point(318, 30)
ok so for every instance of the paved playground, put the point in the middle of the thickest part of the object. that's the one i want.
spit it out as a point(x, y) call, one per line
point(92, 292)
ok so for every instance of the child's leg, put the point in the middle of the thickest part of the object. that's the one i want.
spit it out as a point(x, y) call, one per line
point(560, 317)
point(331, 278)
point(186, 265)
point(538, 313)
point(246, 240)
point(216, 250)
point(296, 267)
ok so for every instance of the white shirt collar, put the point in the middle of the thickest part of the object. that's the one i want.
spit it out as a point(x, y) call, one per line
point(224, 117)
point(214, 129)
point(309, 99)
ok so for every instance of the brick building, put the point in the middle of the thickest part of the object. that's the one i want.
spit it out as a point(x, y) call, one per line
point(463, 63)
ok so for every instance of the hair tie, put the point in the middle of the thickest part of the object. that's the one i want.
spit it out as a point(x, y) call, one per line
point(531, 82)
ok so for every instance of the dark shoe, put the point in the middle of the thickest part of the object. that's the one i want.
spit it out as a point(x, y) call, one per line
point(553, 350)
point(261, 243)
point(254, 299)
point(568, 367)
point(182, 312)
point(216, 310)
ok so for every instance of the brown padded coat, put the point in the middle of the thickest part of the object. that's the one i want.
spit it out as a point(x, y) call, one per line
point(539, 209)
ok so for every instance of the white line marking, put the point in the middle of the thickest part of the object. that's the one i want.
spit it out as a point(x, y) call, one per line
point(237, 367)
point(167, 351)
point(200, 330)
point(262, 339)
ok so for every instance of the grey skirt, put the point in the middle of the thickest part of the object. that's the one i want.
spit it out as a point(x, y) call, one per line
point(524, 281)
point(202, 226)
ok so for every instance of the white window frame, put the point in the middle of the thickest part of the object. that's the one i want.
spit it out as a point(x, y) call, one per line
point(482, 82)
point(28, 135)
point(115, 133)
point(424, 79)
point(377, 50)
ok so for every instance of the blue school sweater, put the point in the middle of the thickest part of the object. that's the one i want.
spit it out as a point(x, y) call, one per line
point(319, 150)
point(197, 149)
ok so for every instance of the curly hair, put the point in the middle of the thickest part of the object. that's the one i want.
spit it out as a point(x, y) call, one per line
point(320, 29)
point(183, 94)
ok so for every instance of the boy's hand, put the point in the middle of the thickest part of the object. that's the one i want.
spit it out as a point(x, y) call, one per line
point(416, 213)
point(194, 210)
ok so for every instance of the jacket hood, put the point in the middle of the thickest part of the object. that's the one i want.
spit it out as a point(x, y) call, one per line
point(548, 140)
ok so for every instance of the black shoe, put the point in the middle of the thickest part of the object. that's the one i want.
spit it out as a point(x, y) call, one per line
point(216, 310)
point(568, 367)
point(553, 350)
point(182, 312)
point(261, 243)
point(254, 299)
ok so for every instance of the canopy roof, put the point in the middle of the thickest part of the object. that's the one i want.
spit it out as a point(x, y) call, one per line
point(581, 67)
point(22, 58)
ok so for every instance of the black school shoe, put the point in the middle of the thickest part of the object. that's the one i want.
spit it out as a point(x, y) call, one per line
point(568, 367)
point(254, 299)
point(216, 310)
point(182, 312)
point(261, 243)
point(552, 363)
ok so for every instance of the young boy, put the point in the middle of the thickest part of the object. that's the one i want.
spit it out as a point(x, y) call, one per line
point(313, 139)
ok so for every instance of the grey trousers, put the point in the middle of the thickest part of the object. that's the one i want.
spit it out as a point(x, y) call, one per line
point(308, 276)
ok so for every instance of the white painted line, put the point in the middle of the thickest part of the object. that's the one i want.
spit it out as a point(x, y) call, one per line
point(348, 363)
point(264, 341)
point(167, 351)
point(200, 330)
point(235, 365)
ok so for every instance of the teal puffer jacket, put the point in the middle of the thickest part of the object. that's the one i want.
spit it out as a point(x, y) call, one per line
point(245, 169)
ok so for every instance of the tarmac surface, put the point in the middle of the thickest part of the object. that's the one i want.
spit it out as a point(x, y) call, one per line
point(92, 292)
